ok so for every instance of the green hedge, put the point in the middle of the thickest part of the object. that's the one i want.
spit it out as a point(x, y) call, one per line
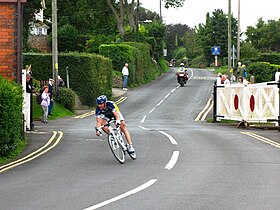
point(11, 100)
point(142, 68)
point(89, 74)
point(121, 54)
point(263, 71)
point(273, 58)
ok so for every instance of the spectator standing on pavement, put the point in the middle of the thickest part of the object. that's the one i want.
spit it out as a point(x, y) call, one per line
point(45, 103)
point(225, 80)
point(240, 71)
point(125, 73)
point(232, 78)
point(51, 104)
point(240, 80)
point(60, 81)
point(244, 71)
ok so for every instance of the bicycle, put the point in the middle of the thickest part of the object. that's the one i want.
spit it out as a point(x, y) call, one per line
point(116, 142)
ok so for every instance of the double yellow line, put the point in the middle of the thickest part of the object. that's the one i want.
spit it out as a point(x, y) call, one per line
point(263, 139)
point(122, 99)
point(48, 146)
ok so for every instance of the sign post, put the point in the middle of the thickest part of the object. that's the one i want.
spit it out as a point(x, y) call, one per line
point(216, 51)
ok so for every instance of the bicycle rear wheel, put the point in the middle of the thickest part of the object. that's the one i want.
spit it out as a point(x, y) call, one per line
point(116, 149)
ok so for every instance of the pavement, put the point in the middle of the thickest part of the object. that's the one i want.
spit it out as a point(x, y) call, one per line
point(117, 92)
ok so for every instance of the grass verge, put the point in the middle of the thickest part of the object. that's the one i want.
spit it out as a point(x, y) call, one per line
point(58, 111)
point(18, 150)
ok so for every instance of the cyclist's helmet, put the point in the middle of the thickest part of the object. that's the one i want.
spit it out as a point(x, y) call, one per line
point(101, 99)
point(182, 65)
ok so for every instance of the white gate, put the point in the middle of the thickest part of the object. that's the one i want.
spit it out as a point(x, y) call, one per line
point(251, 103)
point(26, 103)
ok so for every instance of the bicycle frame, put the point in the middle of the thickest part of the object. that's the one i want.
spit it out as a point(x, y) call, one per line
point(116, 142)
point(116, 132)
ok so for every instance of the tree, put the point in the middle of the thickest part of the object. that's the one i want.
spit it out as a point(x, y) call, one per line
point(157, 30)
point(119, 15)
point(123, 6)
point(67, 38)
point(248, 52)
point(190, 42)
point(87, 16)
point(214, 33)
point(148, 15)
point(176, 37)
point(174, 3)
point(265, 36)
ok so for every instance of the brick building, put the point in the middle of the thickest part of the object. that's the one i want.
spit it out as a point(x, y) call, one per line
point(11, 39)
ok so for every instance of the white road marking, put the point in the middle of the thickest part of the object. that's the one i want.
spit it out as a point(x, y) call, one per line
point(173, 160)
point(160, 102)
point(172, 140)
point(136, 190)
point(143, 119)
point(152, 110)
point(167, 95)
point(147, 129)
point(173, 90)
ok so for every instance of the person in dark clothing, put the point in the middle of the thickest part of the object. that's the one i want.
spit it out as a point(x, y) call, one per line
point(50, 86)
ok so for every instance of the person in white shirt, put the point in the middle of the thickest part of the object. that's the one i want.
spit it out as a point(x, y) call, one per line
point(45, 103)
point(125, 73)
point(225, 80)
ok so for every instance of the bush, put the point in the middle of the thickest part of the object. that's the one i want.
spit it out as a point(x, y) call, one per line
point(263, 71)
point(10, 116)
point(66, 97)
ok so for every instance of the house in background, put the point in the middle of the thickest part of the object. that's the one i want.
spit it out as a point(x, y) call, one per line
point(39, 31)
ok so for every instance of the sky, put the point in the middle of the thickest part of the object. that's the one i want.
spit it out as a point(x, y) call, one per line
point(194, 11)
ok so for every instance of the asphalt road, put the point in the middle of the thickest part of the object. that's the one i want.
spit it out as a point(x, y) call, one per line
point(181, 163)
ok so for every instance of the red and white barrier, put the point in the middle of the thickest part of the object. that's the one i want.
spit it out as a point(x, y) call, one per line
point(251, 103)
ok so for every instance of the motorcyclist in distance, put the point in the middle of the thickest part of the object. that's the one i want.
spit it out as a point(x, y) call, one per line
point(182, 69)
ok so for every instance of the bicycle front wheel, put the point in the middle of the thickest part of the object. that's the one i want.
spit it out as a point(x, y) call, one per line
point(116, 149)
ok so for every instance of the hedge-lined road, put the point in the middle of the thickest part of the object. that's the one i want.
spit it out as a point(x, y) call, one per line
point(182, 164)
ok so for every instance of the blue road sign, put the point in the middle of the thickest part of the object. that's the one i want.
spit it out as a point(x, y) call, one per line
point(216, 50)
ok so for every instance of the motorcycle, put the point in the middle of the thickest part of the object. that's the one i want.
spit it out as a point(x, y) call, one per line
point(182, 78)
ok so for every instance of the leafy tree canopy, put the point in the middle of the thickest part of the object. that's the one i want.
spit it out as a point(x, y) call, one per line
point(265, 36)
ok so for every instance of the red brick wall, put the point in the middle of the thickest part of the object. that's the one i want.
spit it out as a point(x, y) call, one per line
point(8, 42)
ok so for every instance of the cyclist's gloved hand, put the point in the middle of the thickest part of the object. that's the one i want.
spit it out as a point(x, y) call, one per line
point(98, 131)
point(118, 123)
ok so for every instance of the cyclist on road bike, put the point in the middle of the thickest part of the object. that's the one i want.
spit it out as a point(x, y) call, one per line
point(107, 110)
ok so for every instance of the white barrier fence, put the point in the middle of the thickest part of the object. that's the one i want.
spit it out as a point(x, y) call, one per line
point(251, 103)
point(26, 104)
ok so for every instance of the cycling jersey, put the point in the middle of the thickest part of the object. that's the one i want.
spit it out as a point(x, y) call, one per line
point(108, 112)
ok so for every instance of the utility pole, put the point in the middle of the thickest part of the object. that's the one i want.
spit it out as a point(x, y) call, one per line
point(160, 9)
point(229, 36)
point(54, 45)
point(137, 21)
point(238, 35)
